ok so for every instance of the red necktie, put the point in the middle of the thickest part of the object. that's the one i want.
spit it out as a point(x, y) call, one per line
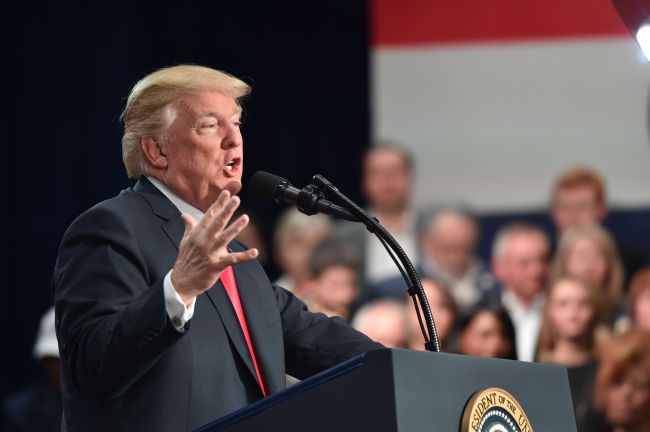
point(228, 280)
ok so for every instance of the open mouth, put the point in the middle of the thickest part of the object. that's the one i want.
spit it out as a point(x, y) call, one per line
point(232, 166)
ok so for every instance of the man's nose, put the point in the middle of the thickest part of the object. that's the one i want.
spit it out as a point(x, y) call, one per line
point(232, 138)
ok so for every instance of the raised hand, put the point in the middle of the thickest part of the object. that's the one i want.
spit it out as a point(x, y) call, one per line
point(202, 254)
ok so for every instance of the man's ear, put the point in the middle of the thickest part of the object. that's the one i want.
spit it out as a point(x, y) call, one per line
point(154, 151)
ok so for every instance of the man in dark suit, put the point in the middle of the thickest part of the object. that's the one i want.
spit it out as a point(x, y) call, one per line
point(164, 321)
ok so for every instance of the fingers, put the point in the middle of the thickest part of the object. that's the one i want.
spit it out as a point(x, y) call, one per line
point(247, 255)
point(223, 216)
point(229, 234)
point(215, 208)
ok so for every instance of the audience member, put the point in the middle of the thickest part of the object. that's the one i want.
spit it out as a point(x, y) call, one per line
point(623, 385)
point(448, 246)
point(382, 321)
point(578, 198)
point(520, 263)
point(588, 251)
point(571, 329)
point(639, 301)
point(443, 309)
point(296, 236)
point(38, 407)
point(386, 186)
point(334, 277)
point(488, 332)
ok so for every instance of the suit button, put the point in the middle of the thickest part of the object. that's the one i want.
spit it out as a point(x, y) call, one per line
point(141, 345)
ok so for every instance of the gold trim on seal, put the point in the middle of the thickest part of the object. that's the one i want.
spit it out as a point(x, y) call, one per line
point(481, 402)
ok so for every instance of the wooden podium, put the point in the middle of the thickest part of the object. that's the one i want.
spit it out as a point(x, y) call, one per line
point(402, 390)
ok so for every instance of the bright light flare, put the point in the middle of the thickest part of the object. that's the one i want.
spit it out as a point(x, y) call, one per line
point(643, 38)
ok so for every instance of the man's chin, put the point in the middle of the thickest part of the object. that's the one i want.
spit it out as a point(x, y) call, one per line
point(233, 187)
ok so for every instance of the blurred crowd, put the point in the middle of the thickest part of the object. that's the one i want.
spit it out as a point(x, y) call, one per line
point(571, 298)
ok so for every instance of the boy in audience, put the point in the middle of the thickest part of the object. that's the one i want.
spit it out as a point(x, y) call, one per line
point(333, 283)
point(578, 198)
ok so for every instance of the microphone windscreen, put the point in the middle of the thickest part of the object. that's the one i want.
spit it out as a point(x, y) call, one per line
point(264, 186)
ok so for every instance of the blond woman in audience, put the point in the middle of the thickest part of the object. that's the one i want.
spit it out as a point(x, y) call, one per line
point(572, 328)
point(588, 251)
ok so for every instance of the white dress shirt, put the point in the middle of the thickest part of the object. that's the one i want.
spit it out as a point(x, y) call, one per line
point(178, 312)
point(527, 321)
point(378, 265)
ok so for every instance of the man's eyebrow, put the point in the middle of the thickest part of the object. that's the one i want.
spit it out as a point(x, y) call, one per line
point(237, 111)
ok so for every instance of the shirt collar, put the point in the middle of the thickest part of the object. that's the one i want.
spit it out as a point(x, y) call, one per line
point(182, 205)
point(510, 300)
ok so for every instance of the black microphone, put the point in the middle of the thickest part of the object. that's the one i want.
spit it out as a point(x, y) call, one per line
point(309, 200)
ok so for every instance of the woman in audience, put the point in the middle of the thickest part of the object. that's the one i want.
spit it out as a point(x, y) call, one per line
point(623, 385)
point(588, 251)
point(639, 300)
point(295, 238)
point(443, 309)
point(487, 332)
point(572, 325)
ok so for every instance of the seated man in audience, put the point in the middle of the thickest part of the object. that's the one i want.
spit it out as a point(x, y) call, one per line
point(520, 264)
point(383, 321)
point(333, 286)
point(449, 255)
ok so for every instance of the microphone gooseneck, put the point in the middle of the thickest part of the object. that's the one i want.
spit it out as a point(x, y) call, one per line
point(415, 289)
point(311, 200)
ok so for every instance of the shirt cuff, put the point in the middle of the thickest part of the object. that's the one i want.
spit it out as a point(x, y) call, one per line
point(178, 312)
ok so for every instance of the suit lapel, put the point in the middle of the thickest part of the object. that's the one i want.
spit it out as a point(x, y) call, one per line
point(173, 227)
point(219, 299)
point(255, 311)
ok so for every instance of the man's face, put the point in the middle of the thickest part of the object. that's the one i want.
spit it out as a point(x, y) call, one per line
point(204, 150)
point(523, 264)
point(450, 243)
point(336, 288)
point(576, 206)
point(386, 180)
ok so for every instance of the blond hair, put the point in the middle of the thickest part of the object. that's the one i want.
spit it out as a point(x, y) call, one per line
point(149, 109)
point(614, 279)
point(595, 332)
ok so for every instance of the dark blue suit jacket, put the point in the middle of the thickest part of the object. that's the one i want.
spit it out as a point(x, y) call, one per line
point(124, 365)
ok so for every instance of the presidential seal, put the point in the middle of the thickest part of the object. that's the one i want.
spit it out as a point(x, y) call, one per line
point(494, 410)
